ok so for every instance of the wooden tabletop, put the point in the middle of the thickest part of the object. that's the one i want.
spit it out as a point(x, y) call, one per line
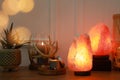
point(25, 74)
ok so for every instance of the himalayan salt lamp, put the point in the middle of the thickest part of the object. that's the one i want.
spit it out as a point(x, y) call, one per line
point(100, 39)
point(80, 56)
point(101, 45)
point(4, 19)
point(24, 7)
point(10, 7)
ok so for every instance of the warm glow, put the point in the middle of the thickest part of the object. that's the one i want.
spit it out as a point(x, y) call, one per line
point(20, 35)
point(42, 43)
point(100, 39)
point(26, 5)
point(80, 54)
point(4, 19)
point(10, 7)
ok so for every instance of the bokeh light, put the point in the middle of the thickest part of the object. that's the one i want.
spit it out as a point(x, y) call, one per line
point(21, 35)
point(26, 5)
point(10, 7)
point(4, 19)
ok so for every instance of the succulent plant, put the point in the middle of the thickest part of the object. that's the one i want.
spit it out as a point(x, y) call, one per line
point(7, 41)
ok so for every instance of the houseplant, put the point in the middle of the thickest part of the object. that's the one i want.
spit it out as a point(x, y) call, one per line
point(10, 54)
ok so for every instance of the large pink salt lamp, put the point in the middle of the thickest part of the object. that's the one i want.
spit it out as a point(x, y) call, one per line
point(100, 39)
point(80, 56)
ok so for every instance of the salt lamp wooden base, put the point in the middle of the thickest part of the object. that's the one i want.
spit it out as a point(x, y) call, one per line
point(101, 63)
point(82, 73)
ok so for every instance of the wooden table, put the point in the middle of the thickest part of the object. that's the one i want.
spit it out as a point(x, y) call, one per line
point(26, 74)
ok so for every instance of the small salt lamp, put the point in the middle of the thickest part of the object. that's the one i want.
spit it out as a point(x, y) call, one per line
point(101, 45)
point(4, 19)
point(10, 7)
point(80, 56)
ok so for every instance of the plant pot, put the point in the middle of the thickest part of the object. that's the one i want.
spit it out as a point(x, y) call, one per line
point(10, 59)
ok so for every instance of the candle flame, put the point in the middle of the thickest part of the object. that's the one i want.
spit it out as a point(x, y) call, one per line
point(42, 43)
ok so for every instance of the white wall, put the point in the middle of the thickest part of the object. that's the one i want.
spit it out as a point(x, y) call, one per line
point(75, 17)
point(65, 19)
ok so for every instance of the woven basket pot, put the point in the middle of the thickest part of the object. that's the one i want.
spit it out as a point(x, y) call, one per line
point(10, 59)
